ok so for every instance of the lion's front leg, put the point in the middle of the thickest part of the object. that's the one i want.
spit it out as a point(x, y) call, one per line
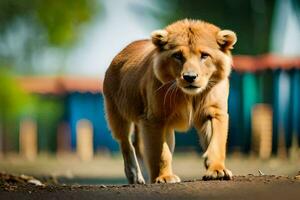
point(158, 147)
point(214, 135)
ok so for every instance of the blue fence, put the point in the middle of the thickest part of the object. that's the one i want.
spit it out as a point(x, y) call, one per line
point(89, 106)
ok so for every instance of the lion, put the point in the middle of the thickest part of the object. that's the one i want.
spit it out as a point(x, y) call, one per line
point(175, 80)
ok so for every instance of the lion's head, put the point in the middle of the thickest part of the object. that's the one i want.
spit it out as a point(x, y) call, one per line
point(194, 54)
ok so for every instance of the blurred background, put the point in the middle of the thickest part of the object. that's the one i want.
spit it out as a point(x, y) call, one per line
point(53, 56)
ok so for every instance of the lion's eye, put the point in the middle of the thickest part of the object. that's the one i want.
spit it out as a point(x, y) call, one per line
point(178, 56)
point(204, 55)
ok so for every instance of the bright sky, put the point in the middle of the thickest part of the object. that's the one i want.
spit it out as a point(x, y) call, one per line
point(107, 36)
point(286, 30)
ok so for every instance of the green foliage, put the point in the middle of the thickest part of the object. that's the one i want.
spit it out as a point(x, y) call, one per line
point(11, 9)
point(33, 28)
point(59, 19)
point(12, 98)
point(62, 19)
point(12, 102)
point(49, 112)
point(296, 7)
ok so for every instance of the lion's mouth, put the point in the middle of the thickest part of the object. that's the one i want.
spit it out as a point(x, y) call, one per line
point(191, 87)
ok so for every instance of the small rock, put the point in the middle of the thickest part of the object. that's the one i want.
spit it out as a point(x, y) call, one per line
point(297, 177)
point(261, 173)
point(35, 182)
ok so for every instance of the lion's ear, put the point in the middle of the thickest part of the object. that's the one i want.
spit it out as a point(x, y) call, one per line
point(159, 38)
point(226, 39)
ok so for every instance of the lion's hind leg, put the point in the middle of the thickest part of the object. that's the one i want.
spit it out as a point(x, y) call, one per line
point(137, 143)
point(121, 130)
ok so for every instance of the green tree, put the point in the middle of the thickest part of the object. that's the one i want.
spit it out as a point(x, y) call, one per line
point(29, 26)
point(12, 101)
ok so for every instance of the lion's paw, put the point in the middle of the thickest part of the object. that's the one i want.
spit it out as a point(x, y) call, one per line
point(167, 179)
point(217, 173)
point(134, 178)
point(140, 180)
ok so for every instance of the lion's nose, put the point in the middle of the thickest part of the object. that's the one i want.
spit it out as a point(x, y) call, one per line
point(189, 76)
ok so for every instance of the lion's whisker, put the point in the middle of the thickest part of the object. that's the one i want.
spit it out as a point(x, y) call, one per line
point(163, 85)
point(174, 91)
point(171, 95)
point(166, 94)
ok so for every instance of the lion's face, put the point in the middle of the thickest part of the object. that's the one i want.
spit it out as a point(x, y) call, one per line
point(194, 55)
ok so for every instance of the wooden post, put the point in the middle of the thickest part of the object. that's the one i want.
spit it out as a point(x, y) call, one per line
point(84, 132)
point(28, 139)
point(262, 117)
point(63, 139)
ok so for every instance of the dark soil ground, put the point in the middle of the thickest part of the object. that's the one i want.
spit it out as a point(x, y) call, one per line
point(103, 178)
point(241, 187)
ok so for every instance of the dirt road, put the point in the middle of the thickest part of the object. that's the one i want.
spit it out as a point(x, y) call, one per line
point(241, 187)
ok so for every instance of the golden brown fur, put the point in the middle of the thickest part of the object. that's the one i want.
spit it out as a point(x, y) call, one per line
point(177, 79)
